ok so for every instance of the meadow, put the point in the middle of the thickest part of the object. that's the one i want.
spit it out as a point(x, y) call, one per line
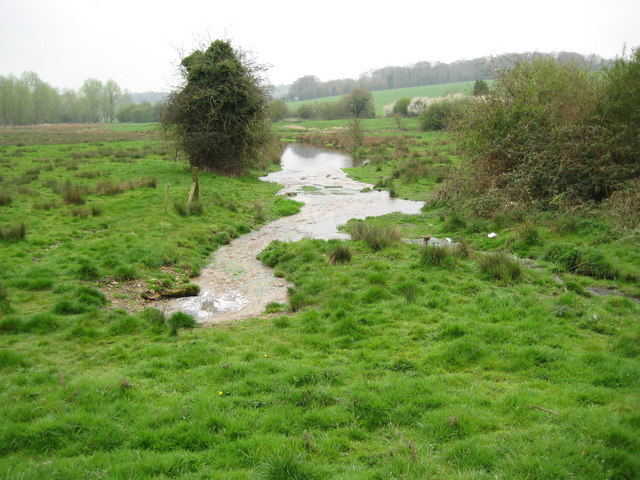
point(513, 357)
point(384, 97)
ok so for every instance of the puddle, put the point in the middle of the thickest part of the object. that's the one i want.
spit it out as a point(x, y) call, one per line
point(236, 285)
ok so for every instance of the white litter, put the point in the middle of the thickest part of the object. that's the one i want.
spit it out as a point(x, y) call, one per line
point(492, 235)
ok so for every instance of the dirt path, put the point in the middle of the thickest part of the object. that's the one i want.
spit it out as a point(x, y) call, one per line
point(236, 285)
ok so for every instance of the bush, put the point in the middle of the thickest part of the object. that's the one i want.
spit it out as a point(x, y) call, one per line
point(440, 113)
point(376, 236)
point(552, 134)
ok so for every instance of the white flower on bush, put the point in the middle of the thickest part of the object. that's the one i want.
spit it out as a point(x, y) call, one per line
point(418, 105)
point(387, 110)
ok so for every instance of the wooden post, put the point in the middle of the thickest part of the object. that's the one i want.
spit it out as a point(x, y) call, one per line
point(195, 176)
point(166, 200)
point(191, 195)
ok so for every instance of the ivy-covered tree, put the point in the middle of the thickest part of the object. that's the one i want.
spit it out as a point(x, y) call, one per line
point(220, 116)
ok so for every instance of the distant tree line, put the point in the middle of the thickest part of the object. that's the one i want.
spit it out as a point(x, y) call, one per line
point(28, 100)
point(427, 73)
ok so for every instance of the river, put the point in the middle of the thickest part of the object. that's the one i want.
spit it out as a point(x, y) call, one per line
point(236, 285)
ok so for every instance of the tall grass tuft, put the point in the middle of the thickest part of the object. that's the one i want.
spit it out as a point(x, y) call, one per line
point(581, 261)
point(501, 267)
point(435, 255)
point(340, 254)
point(196, 208)
point(72, 194)
point(5, 199)
point(4, 299)
point(376, 236)
point(13, 232)
point(180, 320)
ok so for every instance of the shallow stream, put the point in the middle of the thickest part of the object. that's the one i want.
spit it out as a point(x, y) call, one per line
point(236, 285)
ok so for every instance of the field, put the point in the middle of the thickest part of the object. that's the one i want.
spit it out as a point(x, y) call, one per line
point(384, 97)
point(495, 359)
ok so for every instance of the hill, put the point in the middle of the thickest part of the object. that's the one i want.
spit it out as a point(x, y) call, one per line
point(384, 97)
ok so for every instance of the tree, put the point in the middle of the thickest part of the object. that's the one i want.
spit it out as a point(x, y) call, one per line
point(92, 92)
point(110, 100)
point(278, 110)
point(480, 88)
point(219, 116)
point(401, 105)
point(359, 103)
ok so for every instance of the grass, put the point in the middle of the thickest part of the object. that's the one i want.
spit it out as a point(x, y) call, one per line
point(394, 364)
point(384, 97)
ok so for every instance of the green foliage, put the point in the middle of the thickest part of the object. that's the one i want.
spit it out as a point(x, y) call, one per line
point(582, 261)
point(359, 104)
point(480, 88)
point(340, 253)
point(140, 113)
point(439, 114)
point(551, 134)
point(435, 255)
point(13, 232)
point(501, 267)
point(278, 110)
point(376, 236)
point(180, 320)
point(219, 117)
point(400, 106)
point(286, 206)
point(4, 299)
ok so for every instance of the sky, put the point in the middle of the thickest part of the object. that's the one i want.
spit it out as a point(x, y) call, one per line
point(139, 43)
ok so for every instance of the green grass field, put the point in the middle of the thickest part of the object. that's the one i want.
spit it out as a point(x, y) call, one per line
point(389, 362)
point(384, 97)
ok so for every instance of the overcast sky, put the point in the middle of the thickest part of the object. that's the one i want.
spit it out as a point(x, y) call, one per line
point(138, 43)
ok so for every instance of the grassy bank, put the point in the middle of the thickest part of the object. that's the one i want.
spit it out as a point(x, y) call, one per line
point(388, 362)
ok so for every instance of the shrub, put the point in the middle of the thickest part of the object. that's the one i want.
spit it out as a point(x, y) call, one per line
point(376, 236)
point(440, 113)
point(501, 267)
point(553, 134)
point(528, 234)
point(13, 232)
